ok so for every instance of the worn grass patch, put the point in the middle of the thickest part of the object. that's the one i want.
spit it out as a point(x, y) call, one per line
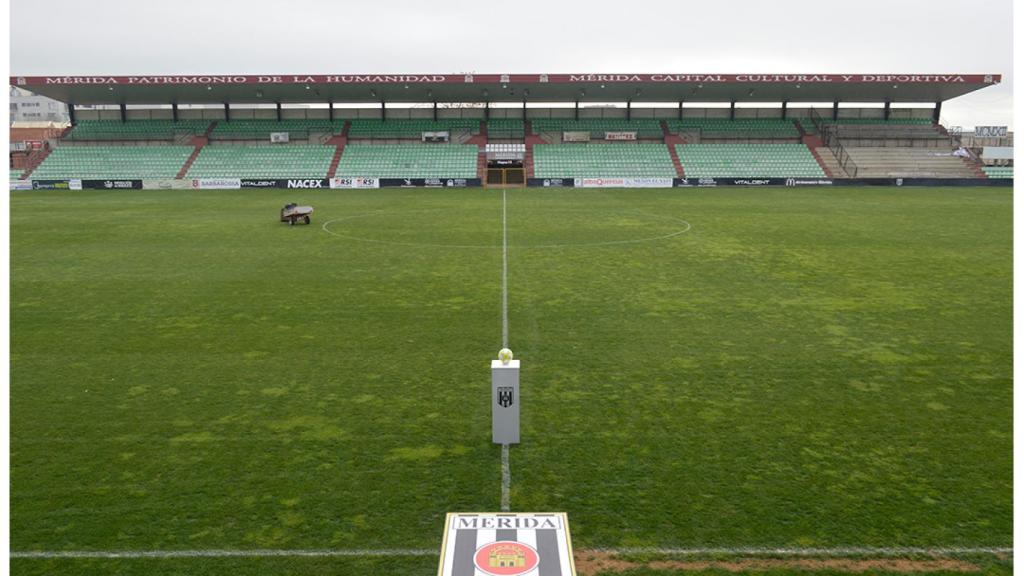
point(801, 368)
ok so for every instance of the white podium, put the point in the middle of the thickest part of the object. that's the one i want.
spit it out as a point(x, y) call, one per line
point(505, 402)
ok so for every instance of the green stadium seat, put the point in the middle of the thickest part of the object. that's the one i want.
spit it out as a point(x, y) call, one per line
point(748, 160)
point(263, 161)
point(598, 126)
point(124, 162)
point(998, 171)
point(739, 128)
point(409, 161)
point(86, 130)
point(409, 128)
point(602, 161)
point(261, 129)
point(507, 128)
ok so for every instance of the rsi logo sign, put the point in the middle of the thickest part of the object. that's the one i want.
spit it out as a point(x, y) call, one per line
point(309, 183)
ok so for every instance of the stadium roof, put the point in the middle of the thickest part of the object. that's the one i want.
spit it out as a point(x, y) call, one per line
point(356, 88)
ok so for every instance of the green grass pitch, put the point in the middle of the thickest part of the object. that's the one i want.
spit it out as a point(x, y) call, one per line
point(801, 367)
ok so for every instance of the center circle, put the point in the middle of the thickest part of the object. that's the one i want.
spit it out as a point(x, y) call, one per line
point(558, 228)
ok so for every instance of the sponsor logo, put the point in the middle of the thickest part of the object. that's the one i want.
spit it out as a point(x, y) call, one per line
point(259, 183)
point(468, 79)
point(118, 184)
point(217, 183)
point(506, 558)
point(899, 181)
point(543, 78)
point(21, 184)
point(752, 182)
point(355, 183)
point(21, 81)
point(306, 183)
point(52, 185)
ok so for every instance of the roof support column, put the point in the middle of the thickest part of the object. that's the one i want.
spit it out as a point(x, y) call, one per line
point(784, 104)
point(227, 112)
point(330, 111)
point(278, 111)
point(835, 110)
point(887, 110)
point(435, 110)
point(174, 111)
point(487, 110)
point(71, 113)
point(732, 110)
point(629, 110)
point(124, 112)
point(576, 111)
point(680, 109)
point(524, 108)
point(937, 112)
point(383, 112)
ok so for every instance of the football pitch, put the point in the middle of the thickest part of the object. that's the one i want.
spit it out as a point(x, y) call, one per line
point(703, 369)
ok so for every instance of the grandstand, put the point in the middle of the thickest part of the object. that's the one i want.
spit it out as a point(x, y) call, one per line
point(105, 161)
point(602, 161)
point(88, 130)
point(372, 140)
point(409, 161)
point(748, 160)
point(263, 161)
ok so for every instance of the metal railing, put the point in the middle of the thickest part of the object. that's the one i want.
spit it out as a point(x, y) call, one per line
point(830, 136)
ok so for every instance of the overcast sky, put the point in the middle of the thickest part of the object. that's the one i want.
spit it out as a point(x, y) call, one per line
point(76, 37)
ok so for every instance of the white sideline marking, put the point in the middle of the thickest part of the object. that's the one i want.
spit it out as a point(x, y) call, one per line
point(506, 479)
point(843, 551)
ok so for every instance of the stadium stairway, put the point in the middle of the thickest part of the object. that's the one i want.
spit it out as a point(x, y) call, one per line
point(814, 144)
point(199, 142)
point(530, 139)
point(671, 140)
point(481, 159)
point(34, 160)
point(339, 141)
point(975, 167)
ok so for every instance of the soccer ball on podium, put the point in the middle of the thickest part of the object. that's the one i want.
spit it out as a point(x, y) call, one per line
point(505, 355)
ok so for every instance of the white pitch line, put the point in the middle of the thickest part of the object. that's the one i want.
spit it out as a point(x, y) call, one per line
point(506, 479)
point(504, 273)
point(215, 553)
point(843, 551)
